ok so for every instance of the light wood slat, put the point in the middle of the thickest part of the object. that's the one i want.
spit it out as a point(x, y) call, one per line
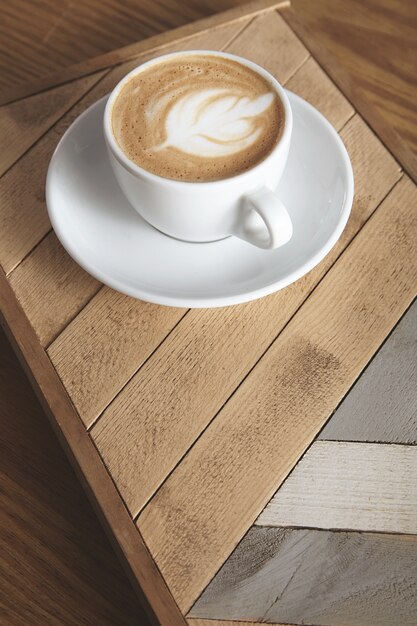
point(118, 335)
point(382, 406)
point(23, 217)
point(23, 122)
point(52, 288)
point(311, 83)
point(352, 486)
point(316, 577)
point(271, 43)
point(157, 44)
point(88, 397)
point(232, 471)
point(142, 422)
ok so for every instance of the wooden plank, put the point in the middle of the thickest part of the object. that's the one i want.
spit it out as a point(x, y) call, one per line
point(312, 84)
point(382, 405)
point(369, 49)
point(269, 42)
point(118, 335)
point(24, 122)
point(152, 591)
point(23, 217)
point(316, 577)
point(232, 471)
point(350, 486)
point(51, 288)
point(57, 566)
point(157, 43)
point(157, 429)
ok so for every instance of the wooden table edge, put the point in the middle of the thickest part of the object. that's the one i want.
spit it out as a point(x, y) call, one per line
point(153, 593)
point(150, 44)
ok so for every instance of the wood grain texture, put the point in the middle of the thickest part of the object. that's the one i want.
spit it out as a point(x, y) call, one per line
point(37, 39)
point(152, 591)
point(351, 486)
point(269, 42)
point(57, 566)
point(312, 84)
point(370, 50)
point(143, 433)
point(207, 504)
point(382, 405)
point(23, 216)
point(23, 122)
point(51, 288)
point(157, 43)
point(316, 577)
point(119, 334)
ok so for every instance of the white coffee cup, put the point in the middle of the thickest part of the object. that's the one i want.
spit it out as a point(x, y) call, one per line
point(245, 205)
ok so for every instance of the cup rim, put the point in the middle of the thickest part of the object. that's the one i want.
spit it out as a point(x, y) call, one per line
point(139, 171)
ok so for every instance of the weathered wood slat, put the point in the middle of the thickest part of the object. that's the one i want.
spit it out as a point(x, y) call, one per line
point(271, 43)
point(351, 486)
point(227, 478)
point(316, 577)
point(51, 287)
point(382, 405)
point(23, 217)
point(119, 335)
point(23, 122)
point(312, 84)
point(141, 421)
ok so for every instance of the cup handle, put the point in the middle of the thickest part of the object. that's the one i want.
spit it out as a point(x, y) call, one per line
point(273, 230)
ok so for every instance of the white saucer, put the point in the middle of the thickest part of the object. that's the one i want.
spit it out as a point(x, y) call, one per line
point(100, 230)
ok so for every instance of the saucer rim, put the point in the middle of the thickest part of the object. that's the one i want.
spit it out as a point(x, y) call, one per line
point(190, 301)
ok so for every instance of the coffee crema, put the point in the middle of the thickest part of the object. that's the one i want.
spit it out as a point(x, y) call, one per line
point(197, 118)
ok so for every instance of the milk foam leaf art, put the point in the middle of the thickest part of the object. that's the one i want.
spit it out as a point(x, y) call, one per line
point(214, 122)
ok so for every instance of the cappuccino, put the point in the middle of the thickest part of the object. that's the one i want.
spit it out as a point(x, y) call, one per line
point(197, 118)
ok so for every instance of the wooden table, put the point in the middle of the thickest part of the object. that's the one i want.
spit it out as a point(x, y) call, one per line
point(202, 494)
